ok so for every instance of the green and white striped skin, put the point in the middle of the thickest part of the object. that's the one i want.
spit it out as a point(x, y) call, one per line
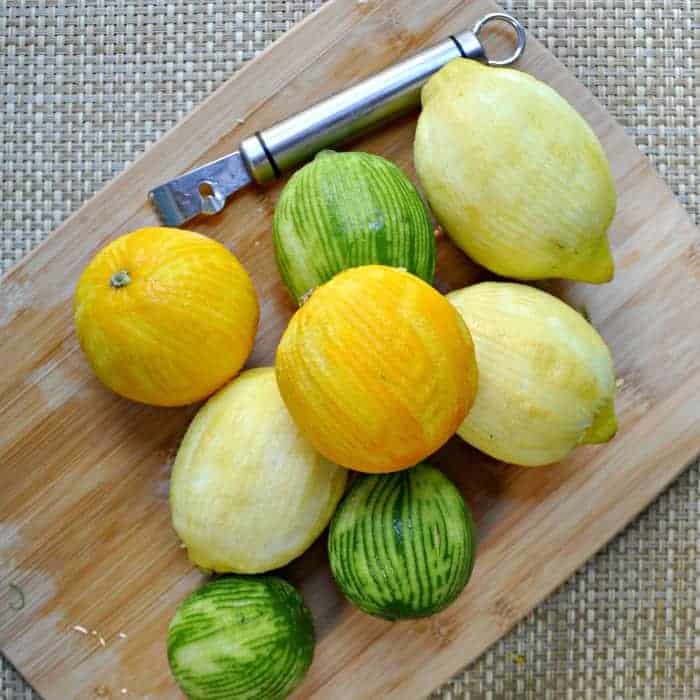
point(402, 545)
point(349, 209)
point(241, 638)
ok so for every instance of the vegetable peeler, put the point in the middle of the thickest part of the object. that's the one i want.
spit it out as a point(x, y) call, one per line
point(265, 155)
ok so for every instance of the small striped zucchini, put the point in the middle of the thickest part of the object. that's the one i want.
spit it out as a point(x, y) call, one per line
point(402, 545)
point(241, 638)
point(349, 209)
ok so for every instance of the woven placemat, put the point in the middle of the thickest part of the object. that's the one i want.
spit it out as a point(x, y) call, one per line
point(86, 85)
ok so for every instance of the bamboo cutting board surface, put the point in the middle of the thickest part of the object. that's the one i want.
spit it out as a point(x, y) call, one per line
point(84, 525)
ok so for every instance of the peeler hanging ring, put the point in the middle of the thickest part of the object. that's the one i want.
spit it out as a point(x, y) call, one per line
point(519, 29)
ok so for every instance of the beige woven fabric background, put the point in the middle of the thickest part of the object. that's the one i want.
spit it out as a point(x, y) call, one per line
point(86, 85)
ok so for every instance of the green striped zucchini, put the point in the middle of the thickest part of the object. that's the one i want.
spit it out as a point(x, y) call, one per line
point(345, 210)
point(241, 638)
point(402, 545)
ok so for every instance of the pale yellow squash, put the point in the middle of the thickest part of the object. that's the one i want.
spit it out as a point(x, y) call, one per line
point(248, 492)
point(377, 369)
point(546, 377)
point(514, 174)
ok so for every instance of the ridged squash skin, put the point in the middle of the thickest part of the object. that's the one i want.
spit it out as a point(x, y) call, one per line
point(248, 492)
point(377, 369)
point(402, 545)
point(514, 174)
point(349, 209)
point(546, 377)
point(165, 316)
point(241, 638)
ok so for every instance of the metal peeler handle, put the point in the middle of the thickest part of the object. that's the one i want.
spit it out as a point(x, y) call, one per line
point(377, 99)
point(266, 154)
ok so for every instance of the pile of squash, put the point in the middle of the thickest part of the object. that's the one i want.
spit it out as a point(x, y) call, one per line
point(374, 373)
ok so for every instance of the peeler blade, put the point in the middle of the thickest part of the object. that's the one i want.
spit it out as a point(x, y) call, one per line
point(200, 191)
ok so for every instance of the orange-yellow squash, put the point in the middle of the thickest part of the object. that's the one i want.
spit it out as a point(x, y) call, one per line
point(165, 316)
point(377, 369)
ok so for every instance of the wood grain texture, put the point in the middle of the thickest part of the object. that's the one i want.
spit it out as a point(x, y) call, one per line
point(84, 523)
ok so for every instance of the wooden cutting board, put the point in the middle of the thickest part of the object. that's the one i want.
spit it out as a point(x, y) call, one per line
point(84, 522)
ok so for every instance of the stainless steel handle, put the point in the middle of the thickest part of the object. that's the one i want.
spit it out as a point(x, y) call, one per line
point(265, 155)
point(359, 108)
point(350, 112)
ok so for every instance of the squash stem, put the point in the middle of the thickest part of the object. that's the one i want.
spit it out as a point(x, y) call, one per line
point(120, 279)
point(604, 425)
